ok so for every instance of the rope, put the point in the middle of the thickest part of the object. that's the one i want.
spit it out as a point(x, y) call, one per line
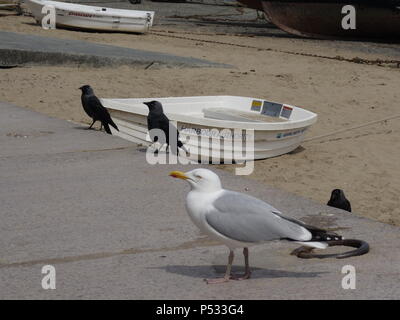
point(351, 128)
point(307, 252)
point(357, 60)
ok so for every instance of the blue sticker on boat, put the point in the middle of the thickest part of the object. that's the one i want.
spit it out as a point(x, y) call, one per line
point(290, 133)
point(271, 109)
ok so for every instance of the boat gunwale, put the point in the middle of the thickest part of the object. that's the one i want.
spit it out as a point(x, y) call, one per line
point(216, 123)
point(138, 14)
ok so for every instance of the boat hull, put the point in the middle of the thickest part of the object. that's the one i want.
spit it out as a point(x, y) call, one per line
point(253, 4)
point(203, 148)
point(324, 19)
point(224, 143)
point(93, 18)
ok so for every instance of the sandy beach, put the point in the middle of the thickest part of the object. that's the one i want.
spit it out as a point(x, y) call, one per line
point(363, 162)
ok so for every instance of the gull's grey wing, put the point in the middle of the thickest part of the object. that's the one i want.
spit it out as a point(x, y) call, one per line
point(248, 219)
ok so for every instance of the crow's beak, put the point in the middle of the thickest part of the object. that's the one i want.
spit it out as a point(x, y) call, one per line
point(178, 174)
point(146, 103)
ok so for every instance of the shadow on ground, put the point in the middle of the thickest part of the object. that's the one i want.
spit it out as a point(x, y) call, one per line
point(204, 272)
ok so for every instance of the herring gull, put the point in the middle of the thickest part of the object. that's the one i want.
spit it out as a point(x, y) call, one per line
point(239, 220)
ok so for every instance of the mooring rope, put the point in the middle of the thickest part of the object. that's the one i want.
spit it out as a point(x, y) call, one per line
point(378, 62)
point(351, 128)
point(361, 245)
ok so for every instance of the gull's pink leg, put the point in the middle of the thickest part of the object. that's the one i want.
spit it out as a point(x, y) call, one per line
point(247, 272)
point(227, 275)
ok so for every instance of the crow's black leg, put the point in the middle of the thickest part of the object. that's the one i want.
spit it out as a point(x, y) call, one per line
point(91, 124)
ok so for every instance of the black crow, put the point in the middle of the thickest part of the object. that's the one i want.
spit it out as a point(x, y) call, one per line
point(94, 109)
point(338, 200)
point(156, 119)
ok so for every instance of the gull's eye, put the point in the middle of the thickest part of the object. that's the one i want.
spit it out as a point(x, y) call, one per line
point(197, 176)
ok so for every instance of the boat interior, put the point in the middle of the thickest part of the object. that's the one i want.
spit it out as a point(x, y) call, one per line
point(217, 108)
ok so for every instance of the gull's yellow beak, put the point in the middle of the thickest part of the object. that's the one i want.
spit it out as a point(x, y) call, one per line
point(178, 174)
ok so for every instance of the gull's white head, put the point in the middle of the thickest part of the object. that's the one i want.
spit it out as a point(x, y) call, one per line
point(200, 179)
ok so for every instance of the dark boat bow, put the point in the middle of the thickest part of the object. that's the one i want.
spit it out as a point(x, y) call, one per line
point(375, 19)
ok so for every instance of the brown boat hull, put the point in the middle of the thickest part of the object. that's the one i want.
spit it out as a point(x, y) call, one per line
point(254, 4)
point(324, 20)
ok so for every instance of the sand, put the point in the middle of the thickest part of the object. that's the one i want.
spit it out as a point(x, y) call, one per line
point(363, 162)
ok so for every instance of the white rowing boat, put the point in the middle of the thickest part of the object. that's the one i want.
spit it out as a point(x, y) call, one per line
point(78, 16)
point(214, 127)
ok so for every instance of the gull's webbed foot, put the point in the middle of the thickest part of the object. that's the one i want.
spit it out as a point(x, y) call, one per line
point(245, 276)
point(217, 280)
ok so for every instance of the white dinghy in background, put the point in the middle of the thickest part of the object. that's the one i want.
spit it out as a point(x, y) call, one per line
point(219, 124)
point(78, 16)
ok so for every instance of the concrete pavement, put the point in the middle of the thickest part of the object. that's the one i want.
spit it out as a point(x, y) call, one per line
point(114, 226)
point(24, 49)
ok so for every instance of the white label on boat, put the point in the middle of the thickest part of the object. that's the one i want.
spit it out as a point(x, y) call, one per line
point(82, 14)
point(286, 112)
point(256, 105)
point(214, 133)
point(271, 109)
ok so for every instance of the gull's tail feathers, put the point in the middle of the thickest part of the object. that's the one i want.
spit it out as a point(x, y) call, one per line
point(322, 235)
point(317, 234)
point(314, 244)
